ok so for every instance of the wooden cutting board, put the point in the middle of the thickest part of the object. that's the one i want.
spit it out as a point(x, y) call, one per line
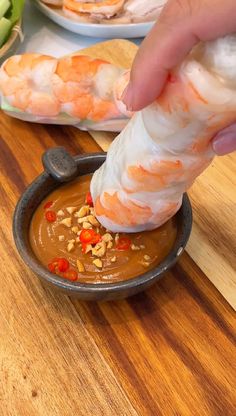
point(213, 241)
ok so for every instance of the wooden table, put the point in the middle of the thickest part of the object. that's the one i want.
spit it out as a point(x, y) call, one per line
point(169, 351)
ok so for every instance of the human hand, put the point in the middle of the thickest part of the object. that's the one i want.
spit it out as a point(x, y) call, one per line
point(181, 25)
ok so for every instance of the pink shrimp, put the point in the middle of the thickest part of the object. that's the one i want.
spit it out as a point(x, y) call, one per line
point(157, 157)
point(129, 211)
point(84, 86)
point(25, 82)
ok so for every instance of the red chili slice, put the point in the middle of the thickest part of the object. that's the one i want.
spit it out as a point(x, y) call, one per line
point(48, 205)
point(52, 267)
point(63, 265)
point(87, 235)
point(88, 199)
point(96, 239)
point(123, 243)
point(70, 275)
point(58, 264)
point(50, 216)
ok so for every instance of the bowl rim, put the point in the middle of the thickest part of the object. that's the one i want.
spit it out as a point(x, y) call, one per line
point(75, 287)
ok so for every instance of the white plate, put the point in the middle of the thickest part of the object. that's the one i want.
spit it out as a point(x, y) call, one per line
point(134, 30)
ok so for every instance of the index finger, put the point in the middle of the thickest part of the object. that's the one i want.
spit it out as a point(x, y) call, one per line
point(166, 46)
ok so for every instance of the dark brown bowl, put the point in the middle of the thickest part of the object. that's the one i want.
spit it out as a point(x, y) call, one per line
point(60, 168)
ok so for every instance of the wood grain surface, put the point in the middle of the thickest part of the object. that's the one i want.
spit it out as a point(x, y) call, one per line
point(169, 351)
point(213, 241)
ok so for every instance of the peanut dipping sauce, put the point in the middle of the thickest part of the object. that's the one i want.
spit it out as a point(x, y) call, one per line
point(60, 238)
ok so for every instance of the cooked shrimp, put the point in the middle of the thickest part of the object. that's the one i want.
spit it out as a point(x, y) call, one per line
point(166, 146)
point(104, 8)
point(84, 86)
point(78, 87)
point(79, 17)
point(25, 81)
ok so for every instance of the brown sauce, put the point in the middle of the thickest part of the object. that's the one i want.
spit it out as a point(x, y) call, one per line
point(50, 240)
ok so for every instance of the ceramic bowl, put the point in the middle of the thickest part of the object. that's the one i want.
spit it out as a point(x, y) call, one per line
point(60, 167)
point(10, 47)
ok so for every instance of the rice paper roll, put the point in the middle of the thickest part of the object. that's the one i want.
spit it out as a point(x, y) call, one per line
point(164, 147)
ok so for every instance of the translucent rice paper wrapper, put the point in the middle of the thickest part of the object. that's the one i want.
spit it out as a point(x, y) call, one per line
point(157, 157)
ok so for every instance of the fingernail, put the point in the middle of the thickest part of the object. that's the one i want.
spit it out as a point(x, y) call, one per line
point(224, 143)
point(127, 97)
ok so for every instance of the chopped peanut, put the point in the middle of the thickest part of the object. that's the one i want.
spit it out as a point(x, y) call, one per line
point(145, 263)
point(61, 238)
point(89, 248)
point(113, 259)
point(98, 263)
point(86, 225)
point(71, 241)
point(80, 266)
point(71, 210)
point(107, 237)
point(146, 257)
point(60, 213)
point(83, 211)
point(67, 222)
point(75, 229)
point(77, 240)
point(134, 247)
point(100, 249)
point(142, 246)
point(109, 244)
point(82, 219)
point(93, 220)
point(70, 247)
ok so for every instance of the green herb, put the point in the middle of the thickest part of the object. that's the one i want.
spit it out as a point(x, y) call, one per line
point(4, 6)
point(5, 27)
point(10, 13)
point(15, 11)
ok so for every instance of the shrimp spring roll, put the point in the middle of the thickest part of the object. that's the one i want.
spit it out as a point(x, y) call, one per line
point(162, 150)
point(75, 90)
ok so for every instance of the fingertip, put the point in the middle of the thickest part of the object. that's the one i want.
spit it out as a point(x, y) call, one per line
point(127, 97)
point(142, 91)
point(224, 143)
